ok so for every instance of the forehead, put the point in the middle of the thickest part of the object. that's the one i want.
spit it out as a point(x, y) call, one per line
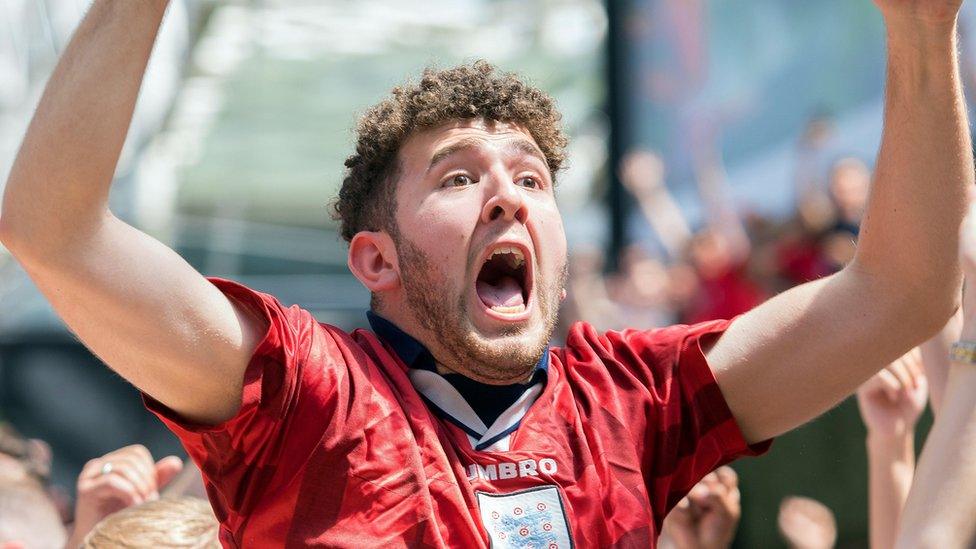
point(420, 147)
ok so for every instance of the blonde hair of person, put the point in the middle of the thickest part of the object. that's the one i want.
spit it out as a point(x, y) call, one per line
point(166, 522)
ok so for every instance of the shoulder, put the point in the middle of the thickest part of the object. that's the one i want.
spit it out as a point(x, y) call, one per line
point(585, 344)
point(289, 327)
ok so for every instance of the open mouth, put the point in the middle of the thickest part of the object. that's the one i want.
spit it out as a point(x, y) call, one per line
point(503, 282)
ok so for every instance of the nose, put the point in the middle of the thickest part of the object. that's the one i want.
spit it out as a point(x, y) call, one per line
point(506, 201)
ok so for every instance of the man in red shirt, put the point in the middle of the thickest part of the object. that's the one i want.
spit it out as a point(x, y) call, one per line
point(452, 423)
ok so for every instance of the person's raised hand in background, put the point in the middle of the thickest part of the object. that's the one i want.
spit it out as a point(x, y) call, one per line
point(708, 516)
point(892, 400)
point(890, 403)
point(806, 523)
point(120, 479)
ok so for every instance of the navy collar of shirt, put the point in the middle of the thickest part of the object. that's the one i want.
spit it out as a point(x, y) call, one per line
point(415, 355)
point(489, 402)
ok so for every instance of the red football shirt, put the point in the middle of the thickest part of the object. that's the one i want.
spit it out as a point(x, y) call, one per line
point(335, 446)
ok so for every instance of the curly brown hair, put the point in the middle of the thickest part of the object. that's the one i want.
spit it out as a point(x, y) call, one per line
point(476, 90)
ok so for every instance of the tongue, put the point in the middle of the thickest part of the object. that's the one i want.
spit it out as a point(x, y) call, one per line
point(505, 292)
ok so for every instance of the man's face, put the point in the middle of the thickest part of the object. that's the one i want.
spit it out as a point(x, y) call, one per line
point(480, 246)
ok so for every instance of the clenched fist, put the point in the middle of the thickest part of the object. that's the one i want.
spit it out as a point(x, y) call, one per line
point(929, 11)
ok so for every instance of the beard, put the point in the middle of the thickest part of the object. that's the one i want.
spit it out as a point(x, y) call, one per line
point(509, 357)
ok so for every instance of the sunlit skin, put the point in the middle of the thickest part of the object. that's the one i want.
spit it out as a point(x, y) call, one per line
point(488, 185)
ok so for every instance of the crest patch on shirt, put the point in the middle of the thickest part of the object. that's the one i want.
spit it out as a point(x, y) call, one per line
point(529, 518)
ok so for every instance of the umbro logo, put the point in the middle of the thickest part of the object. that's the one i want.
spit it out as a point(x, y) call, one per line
point(512, 469)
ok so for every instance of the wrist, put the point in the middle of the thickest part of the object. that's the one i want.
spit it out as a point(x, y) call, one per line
point(919, 36)
point(895, 445)
point(910, 25)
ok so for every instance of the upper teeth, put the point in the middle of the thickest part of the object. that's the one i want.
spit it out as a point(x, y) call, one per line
point(517, 259)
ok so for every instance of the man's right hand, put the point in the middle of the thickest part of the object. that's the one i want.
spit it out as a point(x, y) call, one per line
point(130, 299)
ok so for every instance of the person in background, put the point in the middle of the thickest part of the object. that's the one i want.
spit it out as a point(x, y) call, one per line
point(22, 457)
point(31, 455)
point(707, 517)
point(28, 517)
point(850, 181)
point(166, 522)
point(118, 480)
point(587, 292)
point(718, 252)
point(639, 291)
point(891, 403)
point(806, 523)
point(813, 151)
point(643, 173)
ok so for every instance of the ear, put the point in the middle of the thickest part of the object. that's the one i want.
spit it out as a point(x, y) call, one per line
point(562, 294)
point(372, 259)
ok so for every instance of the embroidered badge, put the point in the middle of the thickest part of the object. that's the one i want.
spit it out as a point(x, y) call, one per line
point(530, 518)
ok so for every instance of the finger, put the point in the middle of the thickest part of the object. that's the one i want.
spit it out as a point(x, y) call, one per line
point(698, 494)
point(735, 496)
point(888, 384)
point(716, 486)
point(923, 386)
point(710, 481)
point(720, 504)
point(683, 505)
point(727, 476)
point(139, 456)
point(167, 469)
point(900, 371)
point(115, 488)
point(91, 469)
point(730, 503)
point(127, 469)
point(135, 457)
point(913, 364)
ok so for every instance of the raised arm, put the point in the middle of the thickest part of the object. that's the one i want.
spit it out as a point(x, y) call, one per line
point(643, 175)
point(942, 501)
point(134, 302)
point(890, 404)
point(800, 353)
point(935, 358)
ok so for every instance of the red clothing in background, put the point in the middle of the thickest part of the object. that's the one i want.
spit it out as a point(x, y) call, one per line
point(725, 296)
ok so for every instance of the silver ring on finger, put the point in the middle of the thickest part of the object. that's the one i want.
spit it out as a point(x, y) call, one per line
point(106, 468)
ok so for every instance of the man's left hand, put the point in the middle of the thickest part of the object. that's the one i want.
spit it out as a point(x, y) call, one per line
point(927, 11)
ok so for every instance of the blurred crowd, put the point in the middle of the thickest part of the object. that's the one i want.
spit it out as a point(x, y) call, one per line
point(734, 260)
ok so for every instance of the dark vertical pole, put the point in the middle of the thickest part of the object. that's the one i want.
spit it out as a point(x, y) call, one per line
point(617, 102)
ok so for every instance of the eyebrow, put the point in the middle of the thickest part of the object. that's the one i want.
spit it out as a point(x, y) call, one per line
point(520, 145)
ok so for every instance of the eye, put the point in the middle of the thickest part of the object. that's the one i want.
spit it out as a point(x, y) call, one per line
point(530, 182)
point(459, 180)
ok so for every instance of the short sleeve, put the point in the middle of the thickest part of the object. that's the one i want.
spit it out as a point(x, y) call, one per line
point(294, 373)
point(696, 431)
point(667, 395)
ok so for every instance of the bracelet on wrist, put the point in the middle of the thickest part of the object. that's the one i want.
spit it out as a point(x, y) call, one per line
point(963, 352)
